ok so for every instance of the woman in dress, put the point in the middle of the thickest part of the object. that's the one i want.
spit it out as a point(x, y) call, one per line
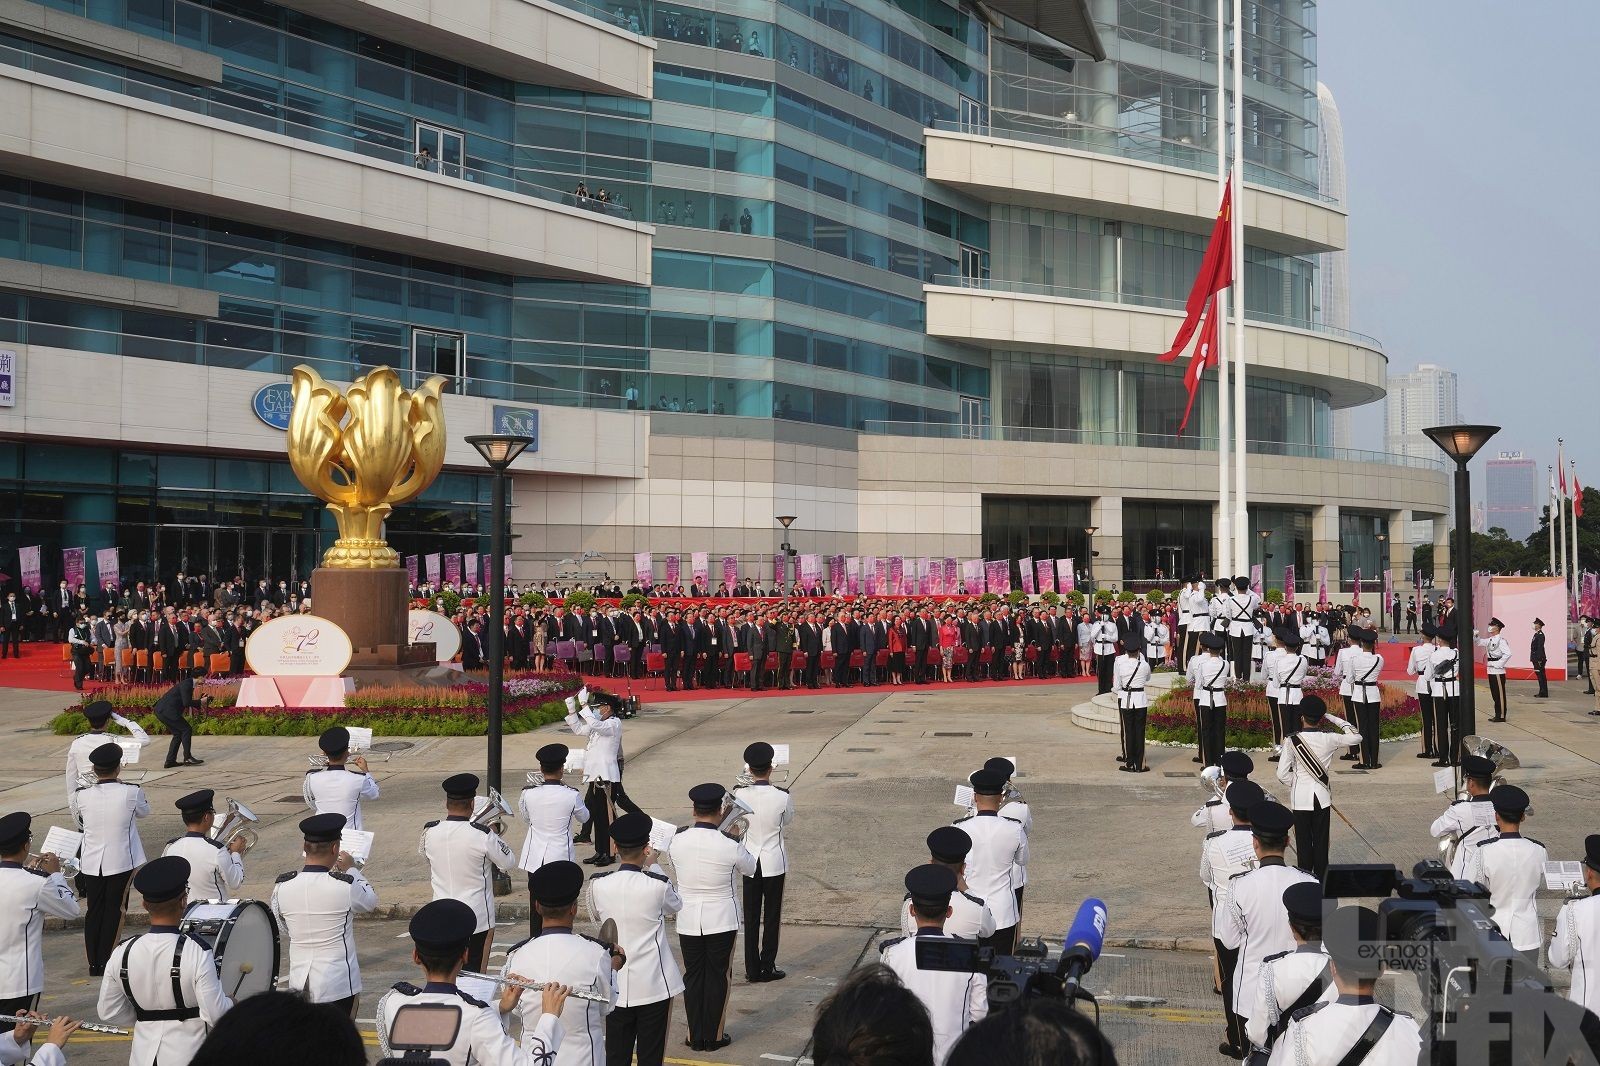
point(895, 641)
point(121, 646)
point(949, 637)
point(541, 634)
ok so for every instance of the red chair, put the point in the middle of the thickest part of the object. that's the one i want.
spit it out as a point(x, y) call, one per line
point(1030, 656)
point(219, 663)
point(770, 666)
point(933, 658)
point(741, 668)
point(655, 664)
point(858, 662)
point(827, 664)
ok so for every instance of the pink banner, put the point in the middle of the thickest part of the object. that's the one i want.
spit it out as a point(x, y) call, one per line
point(952, 577)
point(1025, 571)
point(452, 569)
point(780, 569)
point(107, 567)
point(432, 566)
point(674, 569)
point(700, 566)
point(897, 575)
point(411, 569)
point(1450, 590)
point(810, 571)
point(28, 563)
point(510, 570)
point(1045, 571)
point(72, 563)
point(972, 576)
point(1322, 586)
point(730, 570)
point(997, 576)
point(1288, 583)
point(835, 573)
point(644, 572)
point(1591, 594)
point(1355, 594)
point(471, 571)
point(852, 576)
point(1257, 581)
point(880, 576)
point(1066, 576)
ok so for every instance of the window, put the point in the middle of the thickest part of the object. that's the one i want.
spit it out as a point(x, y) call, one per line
point(973, 267)
point(439, 150)
point(434, 352)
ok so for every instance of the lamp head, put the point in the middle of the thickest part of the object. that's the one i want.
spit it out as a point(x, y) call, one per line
point(499, 450)
point(786, 520)
point(1461, 443)
point(1091, 530)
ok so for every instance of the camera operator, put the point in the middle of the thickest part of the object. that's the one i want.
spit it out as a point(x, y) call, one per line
point(1577, 935)
point(1292, 980)
point(1353, 1030)
point(169, 711)
point(1511, 867)
point(954, 1000)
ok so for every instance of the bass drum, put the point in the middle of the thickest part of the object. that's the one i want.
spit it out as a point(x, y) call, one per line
point(244, 939)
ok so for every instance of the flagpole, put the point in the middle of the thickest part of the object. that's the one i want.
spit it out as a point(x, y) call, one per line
point(1572, 572)
point(1241, 424)
point(1553, 519)
point(1561, 513)
point(1224, 553)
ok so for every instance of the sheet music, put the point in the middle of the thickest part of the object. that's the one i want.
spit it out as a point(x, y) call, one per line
point(780, 755)
point(360, 738)
point(1444, 780)
point(661, 834)
point(1240, 852)
point(358, 842)
point(574, 764)
point(1563, 876)
point(478, 988)
point(62, 842)
point(963, 796)
point(130, 749)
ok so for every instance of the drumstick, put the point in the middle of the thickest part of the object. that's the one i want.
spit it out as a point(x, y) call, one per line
point(245, 969)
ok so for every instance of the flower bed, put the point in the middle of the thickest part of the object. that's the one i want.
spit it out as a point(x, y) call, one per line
point(531, 700)
point(1172, 715)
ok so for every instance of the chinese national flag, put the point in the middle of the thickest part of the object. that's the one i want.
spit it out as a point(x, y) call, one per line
point(1216, 274)
point(1205, 355)
point(1577, 496)
point(1561, 472)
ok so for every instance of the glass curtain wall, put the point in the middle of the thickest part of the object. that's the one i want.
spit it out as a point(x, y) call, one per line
point(1288, 541)
point(1166, 535)
point(1360, 549)
point(1038, 527)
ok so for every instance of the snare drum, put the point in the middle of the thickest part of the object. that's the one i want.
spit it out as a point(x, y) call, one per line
point(244, 939)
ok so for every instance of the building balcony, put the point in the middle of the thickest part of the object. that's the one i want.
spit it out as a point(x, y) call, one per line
point(126, 138)
point(572, 45)
point(1350, 366)
point(1044, 171)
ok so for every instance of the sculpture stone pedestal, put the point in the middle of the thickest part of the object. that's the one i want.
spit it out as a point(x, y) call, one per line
point(369, 605)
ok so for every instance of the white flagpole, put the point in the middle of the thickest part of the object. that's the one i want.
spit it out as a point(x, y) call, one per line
point(1561, 512)
point(1572, 571)
point(1224, 552)
point(1241, 512)
point(1553, 519)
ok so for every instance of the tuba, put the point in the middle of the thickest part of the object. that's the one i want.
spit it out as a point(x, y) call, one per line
point(492, 812)
point(1503, 759)
point(1211, 781)
point(236, 823)
point(778, 776)
point(735, 815)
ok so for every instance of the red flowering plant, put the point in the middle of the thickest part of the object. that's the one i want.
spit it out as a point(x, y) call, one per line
point(1172, 715)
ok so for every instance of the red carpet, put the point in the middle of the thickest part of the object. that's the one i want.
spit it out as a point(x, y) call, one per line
point(41, 667)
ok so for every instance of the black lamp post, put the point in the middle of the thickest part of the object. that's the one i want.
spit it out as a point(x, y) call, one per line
point(785, 520)
point(1265, 535)
point(1383, 564)
point(1461, 443)
point(498, 450)
point(1088, 562)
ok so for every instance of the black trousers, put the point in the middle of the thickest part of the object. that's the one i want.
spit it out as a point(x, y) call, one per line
point(1367, 722)
point(1180, 649)
point(599, 815)
point(105, 900)
point(707, 972)
point(475, 949)
point(1275, 712)
point(1239, 651)
point(643, 1028)
point(1544, 684)
point(671, 671)
point(1102, 670)
point(182, 737)
point(15, 1006)
point(1445, 741)
point(763, 915)
point(1213, 731)
point(1227, 966)
point(813, 661)
point(1311, 841)
point(1425, 702)
point(758, 661)
point(841, 668)
point(711, 676)
point(1497, 689)
point(11, 641)
point(1133, 726)
point(169, 667)
point(1004, 940)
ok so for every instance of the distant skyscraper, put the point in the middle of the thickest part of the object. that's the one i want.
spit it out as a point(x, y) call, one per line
point(1511, 488)
point(1425, 397)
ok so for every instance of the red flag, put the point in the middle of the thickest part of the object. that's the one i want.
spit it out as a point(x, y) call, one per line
point(1205, 355)
point(1561, 472)
point(1216, 274)
point(1577, 495)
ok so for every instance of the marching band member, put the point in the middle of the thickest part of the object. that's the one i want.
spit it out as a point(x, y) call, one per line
point(107, 811)
point(316, 907)
point(1213, 814)
point(1307, 755)
point(461, 855)
point(600, 770)
point(26, 897)
point(336, 788)
point(549, 808)
point(15, 1045)
point(1016, 809)
point(98, 713)
point(773, 810)
point(1292, 980)
point(1227, 853)
point(1472, 819)
point(1577, 933)
point(560, 956)
point(705, 861)
point(638, 897)
point(954, 1000)
point(970, 918)
point(163, 981)
point(1511, 867)
point(215, 869)
point(439, 934)
point(999, 847)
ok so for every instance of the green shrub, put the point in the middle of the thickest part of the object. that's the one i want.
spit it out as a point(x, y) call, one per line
point(989, 597)
point(1126, 596)
point(579, 598)
point(311, 722)
point(1016, 597)
point(1050, 596)
point(1156, 596)
point(1075, 598)
point(533, 599)
point(450, 601)
point(1102, 595)
point(635, 599)
point(1273, 596)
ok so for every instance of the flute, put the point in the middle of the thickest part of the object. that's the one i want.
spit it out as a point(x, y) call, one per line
point(45, 1023)
point(533, 986)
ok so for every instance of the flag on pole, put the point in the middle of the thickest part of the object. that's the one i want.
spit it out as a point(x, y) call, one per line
point(1577, 495)
point(1205, 355)
point(1216, 274)
point(1355, 600)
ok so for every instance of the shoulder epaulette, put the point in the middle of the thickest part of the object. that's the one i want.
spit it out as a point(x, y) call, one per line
point(480, 827)
point(1274, 957)
point(213, 842)
point(780, 788)
point(969, 895)
point(658, 877)
point(1213, 803)
point(311, 771)
point(1486, 843)
point(406, 988)
point(604, 873)
point(430, 825)
point(887, 944)
point(682, 829)
point(512, 950)
point(470, 999)
point(1533, 841)
point(290, 876)
point(1235, 877)
point(1306, 1012)
point(340, 875)
point(1008, 818)
point(1215, 833)
point(968, 818)
point(173, 841)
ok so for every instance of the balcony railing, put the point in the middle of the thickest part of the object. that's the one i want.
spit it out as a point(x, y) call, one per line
point(1067, 292)
point(1132, 439)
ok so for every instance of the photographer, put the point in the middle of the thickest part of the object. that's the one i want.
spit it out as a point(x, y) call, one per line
point(169, 712)
point(954, 1000)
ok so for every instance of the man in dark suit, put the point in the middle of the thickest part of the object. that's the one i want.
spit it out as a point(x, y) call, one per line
point(921, 632)
point(603, 634)
point(172, 639)
point(695, 648)
point(13, 617)
point(873, 636)
point(755, 645)
point(719, 652)
point(178, 591)
point(1000, 635)
point(232, 638)
point(472, 645)
point(519, 642)
point(1537, 656)
point(839, 637)
point(671, 637)
point(808, 638)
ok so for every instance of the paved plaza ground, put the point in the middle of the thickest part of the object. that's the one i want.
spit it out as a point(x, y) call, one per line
point(872, 773)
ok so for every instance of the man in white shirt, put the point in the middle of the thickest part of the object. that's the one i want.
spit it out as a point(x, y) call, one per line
point(316, 907)
point(462, 855)
point(27, 897)
point(1225, 854)
point(1307, 756)
point(1420, 666)
point(1239, 608)
point(107, 812)
point(98, 713)
point(549, 808)
point(999, 849)
point(763, 838)
point(1444, 680)
point(601, 770)
point(970, 917)
point(1511, 867)
point(955, 1001)
point(1208, 674)
point(706, 861)
point(339, 787)
point(1292, 980)
point(1470, 820)
point(1104, 637)
point(215, 869)
point(1497, 656)
point(1129, 678)
point(1575, 944)
point(1362, 664)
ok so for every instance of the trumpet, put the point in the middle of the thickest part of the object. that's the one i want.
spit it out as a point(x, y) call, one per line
point(45, 1023)
point(778, 776)
point(493, 812)
point(532, 986)
point(69, 864)
point(735, 815)
point(237, 823)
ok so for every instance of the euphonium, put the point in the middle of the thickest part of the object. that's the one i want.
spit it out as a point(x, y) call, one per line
point(236, 823)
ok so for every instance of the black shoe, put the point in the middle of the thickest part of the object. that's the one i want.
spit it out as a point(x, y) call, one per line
point(1376, 766)
point(1230, 1051)
point(1195, 759)
point(1273, 758)
point(604, 860)
point(170, 765)
point(1141, 769)
point(1426, 755)
point(1126, 769)
point(97, 971)
point(1122, 758)
point(717, 1045)
point(774, 974)
point(190, 760)
point(1440, 762)
point(593, 860)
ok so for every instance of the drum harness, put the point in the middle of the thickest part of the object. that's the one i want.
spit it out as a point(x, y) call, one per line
point(179, 1013)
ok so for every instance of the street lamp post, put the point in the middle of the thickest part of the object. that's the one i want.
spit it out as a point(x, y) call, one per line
point(785, 520)
point(498, 450)
point(1088, 562)
point(1461, 443)
point(1265, 535)
point(1383, 608)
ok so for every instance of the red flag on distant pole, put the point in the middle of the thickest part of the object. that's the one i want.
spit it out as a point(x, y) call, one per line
point(1216, 274)
point(1561, 473)
point(1205, 355)
point(1577, 495)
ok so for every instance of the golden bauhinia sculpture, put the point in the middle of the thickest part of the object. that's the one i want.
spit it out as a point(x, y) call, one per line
point(365, 451)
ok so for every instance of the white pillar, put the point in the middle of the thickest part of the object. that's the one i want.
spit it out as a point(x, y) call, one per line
point(1241, 516)
point(1224, 553)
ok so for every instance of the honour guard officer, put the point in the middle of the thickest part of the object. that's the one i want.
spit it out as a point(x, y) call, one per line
point(1444, 684)
point(460, 854)
point(1240, 608)
point(954, 1001)
point(1129, 678)
point(316, 908)
point(1497, 656)
point(763, 891)
point(1537, 656)
point(1470, 820)
point(98, 713)
point(638, 897)
point(705, 860)
point(1270, 658)
point(1228, 852)
point(1260, 641)
point(1208, 673)
point(439, 934)
point(107, 811)
point(1362, 664)
point(970, 917)
point(1294, 979)
point(1511, 867)
point(1253, 921)
point(1307, 754)
point(1213, 814)
point(1291, 666)
point(162, 980)
point(337, 788)
point(215, 869)
point(549, 808)
point(1314, 633)
point(1104, 636)
point(1420, 666)
point(999, 848)
point(558, 955)
point(1156, 638)
point(600, 769)
point(1576, 942)
point(26, 897)
point(1353, 1029)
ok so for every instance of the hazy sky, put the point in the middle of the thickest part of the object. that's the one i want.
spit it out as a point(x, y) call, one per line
point(1474, 164)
